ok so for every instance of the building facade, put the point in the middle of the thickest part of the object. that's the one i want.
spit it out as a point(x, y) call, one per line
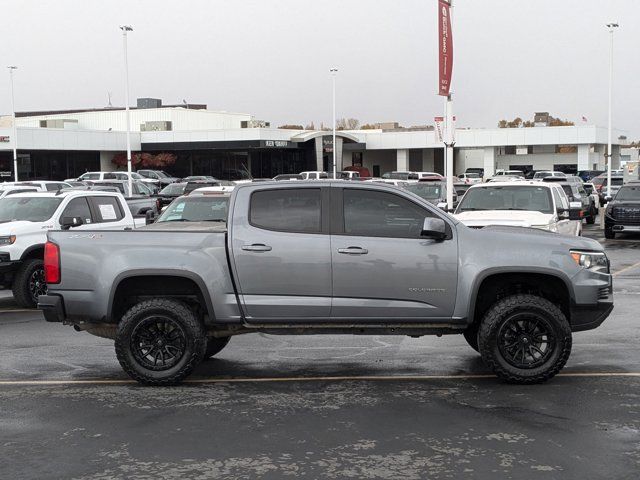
point(65, 144)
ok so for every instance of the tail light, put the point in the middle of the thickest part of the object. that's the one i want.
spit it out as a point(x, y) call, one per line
point(51, 263)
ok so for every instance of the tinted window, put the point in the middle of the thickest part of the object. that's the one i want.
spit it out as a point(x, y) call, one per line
point(561, 198)
point(78, 207)
point(173, 189)
point(287, 210)
point(90, 176)
point(118, 176)
point(108, 209)
point(380, 214)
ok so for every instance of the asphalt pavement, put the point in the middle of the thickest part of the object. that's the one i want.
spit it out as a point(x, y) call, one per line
point(324, 406)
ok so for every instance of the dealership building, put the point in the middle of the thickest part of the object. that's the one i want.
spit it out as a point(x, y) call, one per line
point(66, 143)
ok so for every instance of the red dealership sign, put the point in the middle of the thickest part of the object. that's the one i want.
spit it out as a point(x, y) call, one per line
point(445, 47)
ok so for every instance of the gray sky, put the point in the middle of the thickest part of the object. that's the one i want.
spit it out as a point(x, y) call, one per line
point(271, 58)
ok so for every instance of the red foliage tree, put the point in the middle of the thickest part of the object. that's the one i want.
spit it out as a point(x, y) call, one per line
point(144, 160)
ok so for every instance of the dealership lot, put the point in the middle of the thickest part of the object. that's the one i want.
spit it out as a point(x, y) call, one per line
point(324, 406)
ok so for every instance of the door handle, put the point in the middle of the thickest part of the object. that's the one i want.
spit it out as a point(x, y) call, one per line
point(257, 247)
point(353, 251)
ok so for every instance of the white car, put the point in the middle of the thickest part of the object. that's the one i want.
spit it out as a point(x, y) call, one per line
point(539, 176)
point(314, 175)
point(150, 182)
point(470, 178)
point(522, 204)
point(13, 189)
point(41, 185)
point(25, 219)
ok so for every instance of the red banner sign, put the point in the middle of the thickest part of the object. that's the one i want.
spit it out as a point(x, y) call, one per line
point(445, 47)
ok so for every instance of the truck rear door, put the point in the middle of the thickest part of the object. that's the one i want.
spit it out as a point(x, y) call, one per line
point(280, 249)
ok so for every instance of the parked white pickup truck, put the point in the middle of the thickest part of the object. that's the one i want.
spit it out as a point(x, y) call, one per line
point(520, 204)
point(25, 219)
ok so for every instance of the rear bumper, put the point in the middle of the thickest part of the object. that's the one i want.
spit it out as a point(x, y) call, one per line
point(52, 307)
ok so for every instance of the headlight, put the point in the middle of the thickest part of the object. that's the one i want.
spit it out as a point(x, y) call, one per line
point(595, 261)
point(7, 240)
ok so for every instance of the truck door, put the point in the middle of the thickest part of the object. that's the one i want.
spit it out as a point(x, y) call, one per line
point(281, 253)
point(382, 268)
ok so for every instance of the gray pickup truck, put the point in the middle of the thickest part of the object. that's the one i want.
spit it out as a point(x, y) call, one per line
point(330, 257)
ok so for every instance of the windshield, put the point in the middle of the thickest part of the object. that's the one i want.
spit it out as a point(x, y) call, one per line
point(428, 191)
point(507, 198)
point(136, 176)
point(629, 193)
point(31, 209)
point(173, 189)
point(206, 208)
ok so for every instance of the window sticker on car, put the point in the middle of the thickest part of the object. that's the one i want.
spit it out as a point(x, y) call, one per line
point(107, 212)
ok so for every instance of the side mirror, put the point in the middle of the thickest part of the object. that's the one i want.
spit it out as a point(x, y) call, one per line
point(149, 217)
point(67, 222)
point(563, 213)
point(434, 228)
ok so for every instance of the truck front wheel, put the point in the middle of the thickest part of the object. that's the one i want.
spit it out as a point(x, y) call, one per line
point(525, 339)
point(160, 341)
point(29, 283)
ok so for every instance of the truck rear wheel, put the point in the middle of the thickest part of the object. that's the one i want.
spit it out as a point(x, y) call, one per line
point(525, 339)
point(591, 218)
point(29, 283)
point(215, 346)
point(159, 342)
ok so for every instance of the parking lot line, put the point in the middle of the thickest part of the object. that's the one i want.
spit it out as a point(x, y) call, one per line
point(630, 267)
point(342, 378)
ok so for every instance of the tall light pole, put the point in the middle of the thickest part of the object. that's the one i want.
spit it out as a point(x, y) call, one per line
point(611, 26)
point(333, 72)
point(14, 133)
point(125, 29)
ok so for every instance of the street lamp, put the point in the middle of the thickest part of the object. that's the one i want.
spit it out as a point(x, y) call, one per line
point(125, 29)
point(333, 72)
point(13, 123)
point(611, 26)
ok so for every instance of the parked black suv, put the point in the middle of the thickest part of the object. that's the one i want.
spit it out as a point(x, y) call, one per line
point(623, 212)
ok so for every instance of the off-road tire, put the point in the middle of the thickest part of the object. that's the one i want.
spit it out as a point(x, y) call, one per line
point(190, 329)
point(215, 346)
point(20, 288)
point(504, 311)
point(471, 335)
point(609, 234)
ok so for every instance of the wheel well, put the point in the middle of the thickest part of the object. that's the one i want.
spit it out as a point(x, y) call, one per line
point(133, 290)
point(498, 286)
point(34, 252)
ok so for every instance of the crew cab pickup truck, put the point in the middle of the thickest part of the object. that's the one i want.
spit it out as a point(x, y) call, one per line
point(333, 257)
point(25, 219)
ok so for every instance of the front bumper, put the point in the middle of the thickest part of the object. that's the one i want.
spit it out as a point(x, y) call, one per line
point(52, 307)
point(590, 316)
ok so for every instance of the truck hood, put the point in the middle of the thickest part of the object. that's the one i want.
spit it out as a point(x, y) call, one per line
point(518, 218)
point(21, 227)
point(522, 239)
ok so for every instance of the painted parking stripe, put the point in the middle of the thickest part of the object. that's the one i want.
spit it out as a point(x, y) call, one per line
point(626, 269)
point(341, 378)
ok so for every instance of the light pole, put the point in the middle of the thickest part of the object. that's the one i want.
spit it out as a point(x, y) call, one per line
point(125, 29)
point(611, 26)
point(333, 72)
point(13, 123)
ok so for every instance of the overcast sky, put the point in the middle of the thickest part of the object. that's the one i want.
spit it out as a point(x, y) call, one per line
point(271, 58)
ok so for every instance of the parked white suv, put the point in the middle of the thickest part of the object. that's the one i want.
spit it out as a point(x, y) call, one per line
point(41, 185)
point(150, 182)
point(25, 219)
point(522, 204)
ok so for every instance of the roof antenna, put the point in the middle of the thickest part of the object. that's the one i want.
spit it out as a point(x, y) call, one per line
point(109, 96)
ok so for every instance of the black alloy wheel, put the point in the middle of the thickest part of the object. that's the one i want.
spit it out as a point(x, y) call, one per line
point(37, 284)
point(158, 342)
point(526, 340)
